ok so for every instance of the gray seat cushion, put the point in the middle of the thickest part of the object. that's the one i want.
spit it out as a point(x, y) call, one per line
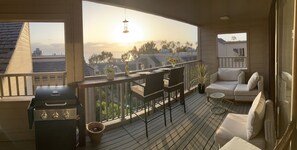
point(242, 89)
point(226, 87)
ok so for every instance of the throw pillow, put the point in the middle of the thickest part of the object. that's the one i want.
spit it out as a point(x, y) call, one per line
point(252, 83)
point(256, 116)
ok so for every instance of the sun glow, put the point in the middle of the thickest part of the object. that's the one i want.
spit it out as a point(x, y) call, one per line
point(135, 34)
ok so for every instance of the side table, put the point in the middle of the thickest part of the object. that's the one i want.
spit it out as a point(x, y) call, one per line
point(217, 98)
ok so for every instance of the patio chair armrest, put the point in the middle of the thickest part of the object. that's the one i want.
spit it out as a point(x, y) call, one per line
point(213, 77)
point(241, 78)
point(260, 84)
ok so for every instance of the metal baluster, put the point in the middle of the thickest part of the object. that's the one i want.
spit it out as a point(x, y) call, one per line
point(100, 92)
point(112, 100)
point(121, 98)
point(106, 102)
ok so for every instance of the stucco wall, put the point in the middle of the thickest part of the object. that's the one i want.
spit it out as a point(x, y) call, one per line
point(14, 124)
point(20, 62)
point(257, 45)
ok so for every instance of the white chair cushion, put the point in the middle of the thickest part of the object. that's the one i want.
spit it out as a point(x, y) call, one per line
point(256, 116)
point(253, 81)
point(138, 90)
point(166, 82)
point(242, 89)
point(228, 74)
point(234, 125)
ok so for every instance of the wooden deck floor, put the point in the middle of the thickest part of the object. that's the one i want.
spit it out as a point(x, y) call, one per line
point(193, 130)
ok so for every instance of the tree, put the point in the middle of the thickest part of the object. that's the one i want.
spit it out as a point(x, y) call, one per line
point(184, 48)
point(106, 56)
point(100, 58)
point(168, 45)
point(148, 48)
point(131, 54)
point(94, 59)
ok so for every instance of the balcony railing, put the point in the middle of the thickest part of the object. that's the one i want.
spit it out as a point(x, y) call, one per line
point(108, 100)
point(232, 62)
point(24, 84)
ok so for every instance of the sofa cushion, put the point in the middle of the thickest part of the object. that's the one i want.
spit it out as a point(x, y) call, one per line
point(228, 74)
point(242, 89)
point(222, 86)
point(256, 116)
point(253, 81)
point(234, 125)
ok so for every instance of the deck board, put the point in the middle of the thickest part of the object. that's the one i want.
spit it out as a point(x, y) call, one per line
point(191, 130)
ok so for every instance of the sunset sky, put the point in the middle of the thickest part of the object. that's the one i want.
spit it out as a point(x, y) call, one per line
point(103, 30)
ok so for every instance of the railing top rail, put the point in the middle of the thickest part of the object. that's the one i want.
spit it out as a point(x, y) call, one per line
point(101, 80)
point(96, 77)
point(32, 74)
point(231, 56)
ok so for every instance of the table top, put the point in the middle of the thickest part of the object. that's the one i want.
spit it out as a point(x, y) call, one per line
point(217, 95)
point(117, 79)
point(237, 143)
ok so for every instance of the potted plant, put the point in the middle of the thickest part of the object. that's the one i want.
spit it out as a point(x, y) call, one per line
point(110, 72)
point(95, 131)
point(172, 60)
point(202, 77)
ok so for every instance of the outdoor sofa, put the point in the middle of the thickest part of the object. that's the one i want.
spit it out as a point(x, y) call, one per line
point(231, 82)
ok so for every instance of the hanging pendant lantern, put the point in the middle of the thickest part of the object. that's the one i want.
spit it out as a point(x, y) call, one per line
point(125, 26)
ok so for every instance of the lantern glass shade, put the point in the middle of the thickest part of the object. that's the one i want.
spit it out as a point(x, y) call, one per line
point(125, 26)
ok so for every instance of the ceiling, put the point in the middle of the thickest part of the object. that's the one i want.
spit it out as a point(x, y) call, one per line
point(199, 12)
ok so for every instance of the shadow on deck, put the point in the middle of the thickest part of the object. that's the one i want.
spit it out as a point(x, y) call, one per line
point(193, 130)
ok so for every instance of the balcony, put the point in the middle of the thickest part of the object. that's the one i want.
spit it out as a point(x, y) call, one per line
point(193, 130)
point(107, 102)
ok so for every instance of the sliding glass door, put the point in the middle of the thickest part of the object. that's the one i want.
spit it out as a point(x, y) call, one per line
point(284, 26)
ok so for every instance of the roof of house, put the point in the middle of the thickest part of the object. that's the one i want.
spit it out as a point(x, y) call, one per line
point(9, 35)
point(55, 64)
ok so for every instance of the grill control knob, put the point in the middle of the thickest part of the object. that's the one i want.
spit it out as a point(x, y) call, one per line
point(55, 115)
point(43, 115)
point(66, 114)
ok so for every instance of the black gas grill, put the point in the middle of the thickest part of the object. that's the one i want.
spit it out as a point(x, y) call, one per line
point(58, 118)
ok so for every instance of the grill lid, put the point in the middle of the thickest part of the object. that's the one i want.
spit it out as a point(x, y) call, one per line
point(55, 96)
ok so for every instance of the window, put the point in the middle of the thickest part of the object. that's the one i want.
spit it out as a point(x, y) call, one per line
point(232, 50)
